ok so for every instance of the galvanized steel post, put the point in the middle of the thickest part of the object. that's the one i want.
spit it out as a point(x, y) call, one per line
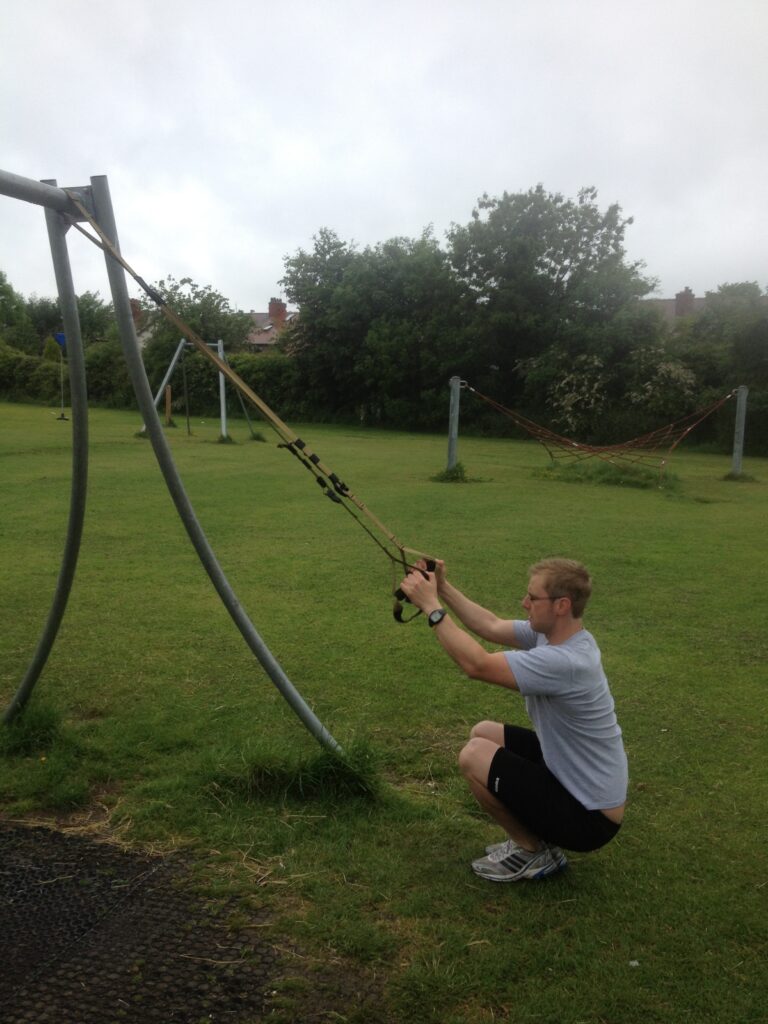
point(453, 420)
point(738, 433)
point(222, 392)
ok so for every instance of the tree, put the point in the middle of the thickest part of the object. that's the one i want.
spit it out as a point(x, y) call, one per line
point(377, 328)
point(44, 315)
point(732, 330)
point(97, 319)
point(207, 312)
point(16, 328)
point(327, 338)
point(543, 272)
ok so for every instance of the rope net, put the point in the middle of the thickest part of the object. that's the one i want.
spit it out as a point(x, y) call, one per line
point(650, 450)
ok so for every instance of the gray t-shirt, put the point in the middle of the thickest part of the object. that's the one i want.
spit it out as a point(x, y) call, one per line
point(568, 700)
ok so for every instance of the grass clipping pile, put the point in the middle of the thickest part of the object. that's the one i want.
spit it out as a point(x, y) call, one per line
point(92, 934)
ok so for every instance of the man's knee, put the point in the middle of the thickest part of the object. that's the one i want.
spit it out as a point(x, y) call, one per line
point(493, 731)
point(475, 758)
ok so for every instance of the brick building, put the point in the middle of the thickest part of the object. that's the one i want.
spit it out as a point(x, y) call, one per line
point(685, 303)
point(267, 327)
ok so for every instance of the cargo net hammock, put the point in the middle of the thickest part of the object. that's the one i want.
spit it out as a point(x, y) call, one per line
point(651, 450)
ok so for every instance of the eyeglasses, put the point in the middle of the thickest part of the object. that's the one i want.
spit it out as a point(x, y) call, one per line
point(544, 597)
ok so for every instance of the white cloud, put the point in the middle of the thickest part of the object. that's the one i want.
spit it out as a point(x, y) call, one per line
point(232, 132)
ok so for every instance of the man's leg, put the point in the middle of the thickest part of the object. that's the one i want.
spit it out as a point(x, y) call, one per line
point(475, 763)
point(493, 731)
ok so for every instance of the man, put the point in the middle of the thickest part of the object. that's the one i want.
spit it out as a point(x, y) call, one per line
point(564, 783)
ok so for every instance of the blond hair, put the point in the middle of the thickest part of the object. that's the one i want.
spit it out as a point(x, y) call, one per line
point(564, 577)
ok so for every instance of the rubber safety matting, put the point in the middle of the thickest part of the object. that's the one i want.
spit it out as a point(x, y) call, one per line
point(90, 934)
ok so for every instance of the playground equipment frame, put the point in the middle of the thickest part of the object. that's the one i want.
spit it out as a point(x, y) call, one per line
point(60, 214)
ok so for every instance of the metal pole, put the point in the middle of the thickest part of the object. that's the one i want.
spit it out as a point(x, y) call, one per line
point(222, 392)
point(57, 229)
point(243, 406)
point(169, 371)
point(41, 193)
point(738, 434)
point(130, 345)
point(186, 394)
point(166, 378)
point(453, 420)
point(61, 382)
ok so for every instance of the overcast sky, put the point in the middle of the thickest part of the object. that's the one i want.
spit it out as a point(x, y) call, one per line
point(232, 131)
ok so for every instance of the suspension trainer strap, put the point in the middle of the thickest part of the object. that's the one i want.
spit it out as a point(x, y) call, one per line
point(333, 486)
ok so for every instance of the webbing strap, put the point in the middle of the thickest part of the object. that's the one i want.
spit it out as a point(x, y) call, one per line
point(333, 486)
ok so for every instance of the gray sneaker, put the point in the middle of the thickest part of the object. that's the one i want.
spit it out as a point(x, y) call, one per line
point(509, 846)
point(511, 863)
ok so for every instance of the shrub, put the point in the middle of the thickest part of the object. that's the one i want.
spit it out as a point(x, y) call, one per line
point(25, 378)
point(109, 383)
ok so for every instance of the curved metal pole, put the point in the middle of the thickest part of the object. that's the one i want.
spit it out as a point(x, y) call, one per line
point(105, 216)
point(57, 228)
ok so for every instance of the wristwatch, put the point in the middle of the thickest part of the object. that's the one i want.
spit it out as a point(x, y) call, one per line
point(436, 616)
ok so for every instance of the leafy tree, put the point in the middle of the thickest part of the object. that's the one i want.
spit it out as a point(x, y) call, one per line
point(543, 272)
point(44, 315)
point(664, 388)
point(97, 319)
point(109, 382)
point(729, 338)
point(206, 311)
point(726, 345)
point(377, 328)
point(16, 328)
point(327, 339)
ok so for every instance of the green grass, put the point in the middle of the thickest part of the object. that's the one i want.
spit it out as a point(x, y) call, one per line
point(615, 474)
point(152, 706)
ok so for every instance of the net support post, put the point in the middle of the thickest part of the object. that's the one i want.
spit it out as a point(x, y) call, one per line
point(738, 432)
point(453, 420)
point(222, 392)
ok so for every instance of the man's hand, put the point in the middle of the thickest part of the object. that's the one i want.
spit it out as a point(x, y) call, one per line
point(439, 570)
point(420, 587)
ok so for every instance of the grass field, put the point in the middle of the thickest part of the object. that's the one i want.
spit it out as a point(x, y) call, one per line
point(152, 708)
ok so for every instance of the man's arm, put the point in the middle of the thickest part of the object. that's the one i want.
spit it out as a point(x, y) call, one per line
point(480, 620)
point(472, 659)
point(422, 591)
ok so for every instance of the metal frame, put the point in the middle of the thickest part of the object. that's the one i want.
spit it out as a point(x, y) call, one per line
point(60, 214)
point(219, 346)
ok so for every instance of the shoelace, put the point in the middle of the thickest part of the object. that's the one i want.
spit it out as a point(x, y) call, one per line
point(506, 850)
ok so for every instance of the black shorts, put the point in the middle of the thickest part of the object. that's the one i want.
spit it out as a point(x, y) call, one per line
point(519, 778)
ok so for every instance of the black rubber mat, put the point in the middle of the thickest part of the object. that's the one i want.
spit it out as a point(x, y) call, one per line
point(91, 934)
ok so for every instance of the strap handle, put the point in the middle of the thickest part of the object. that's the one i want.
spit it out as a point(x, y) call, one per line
point(400, 597)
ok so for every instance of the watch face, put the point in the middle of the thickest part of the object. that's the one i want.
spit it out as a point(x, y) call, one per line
point(436, 616)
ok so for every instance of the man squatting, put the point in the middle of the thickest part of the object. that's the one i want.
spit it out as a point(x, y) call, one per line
point(566, 782)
